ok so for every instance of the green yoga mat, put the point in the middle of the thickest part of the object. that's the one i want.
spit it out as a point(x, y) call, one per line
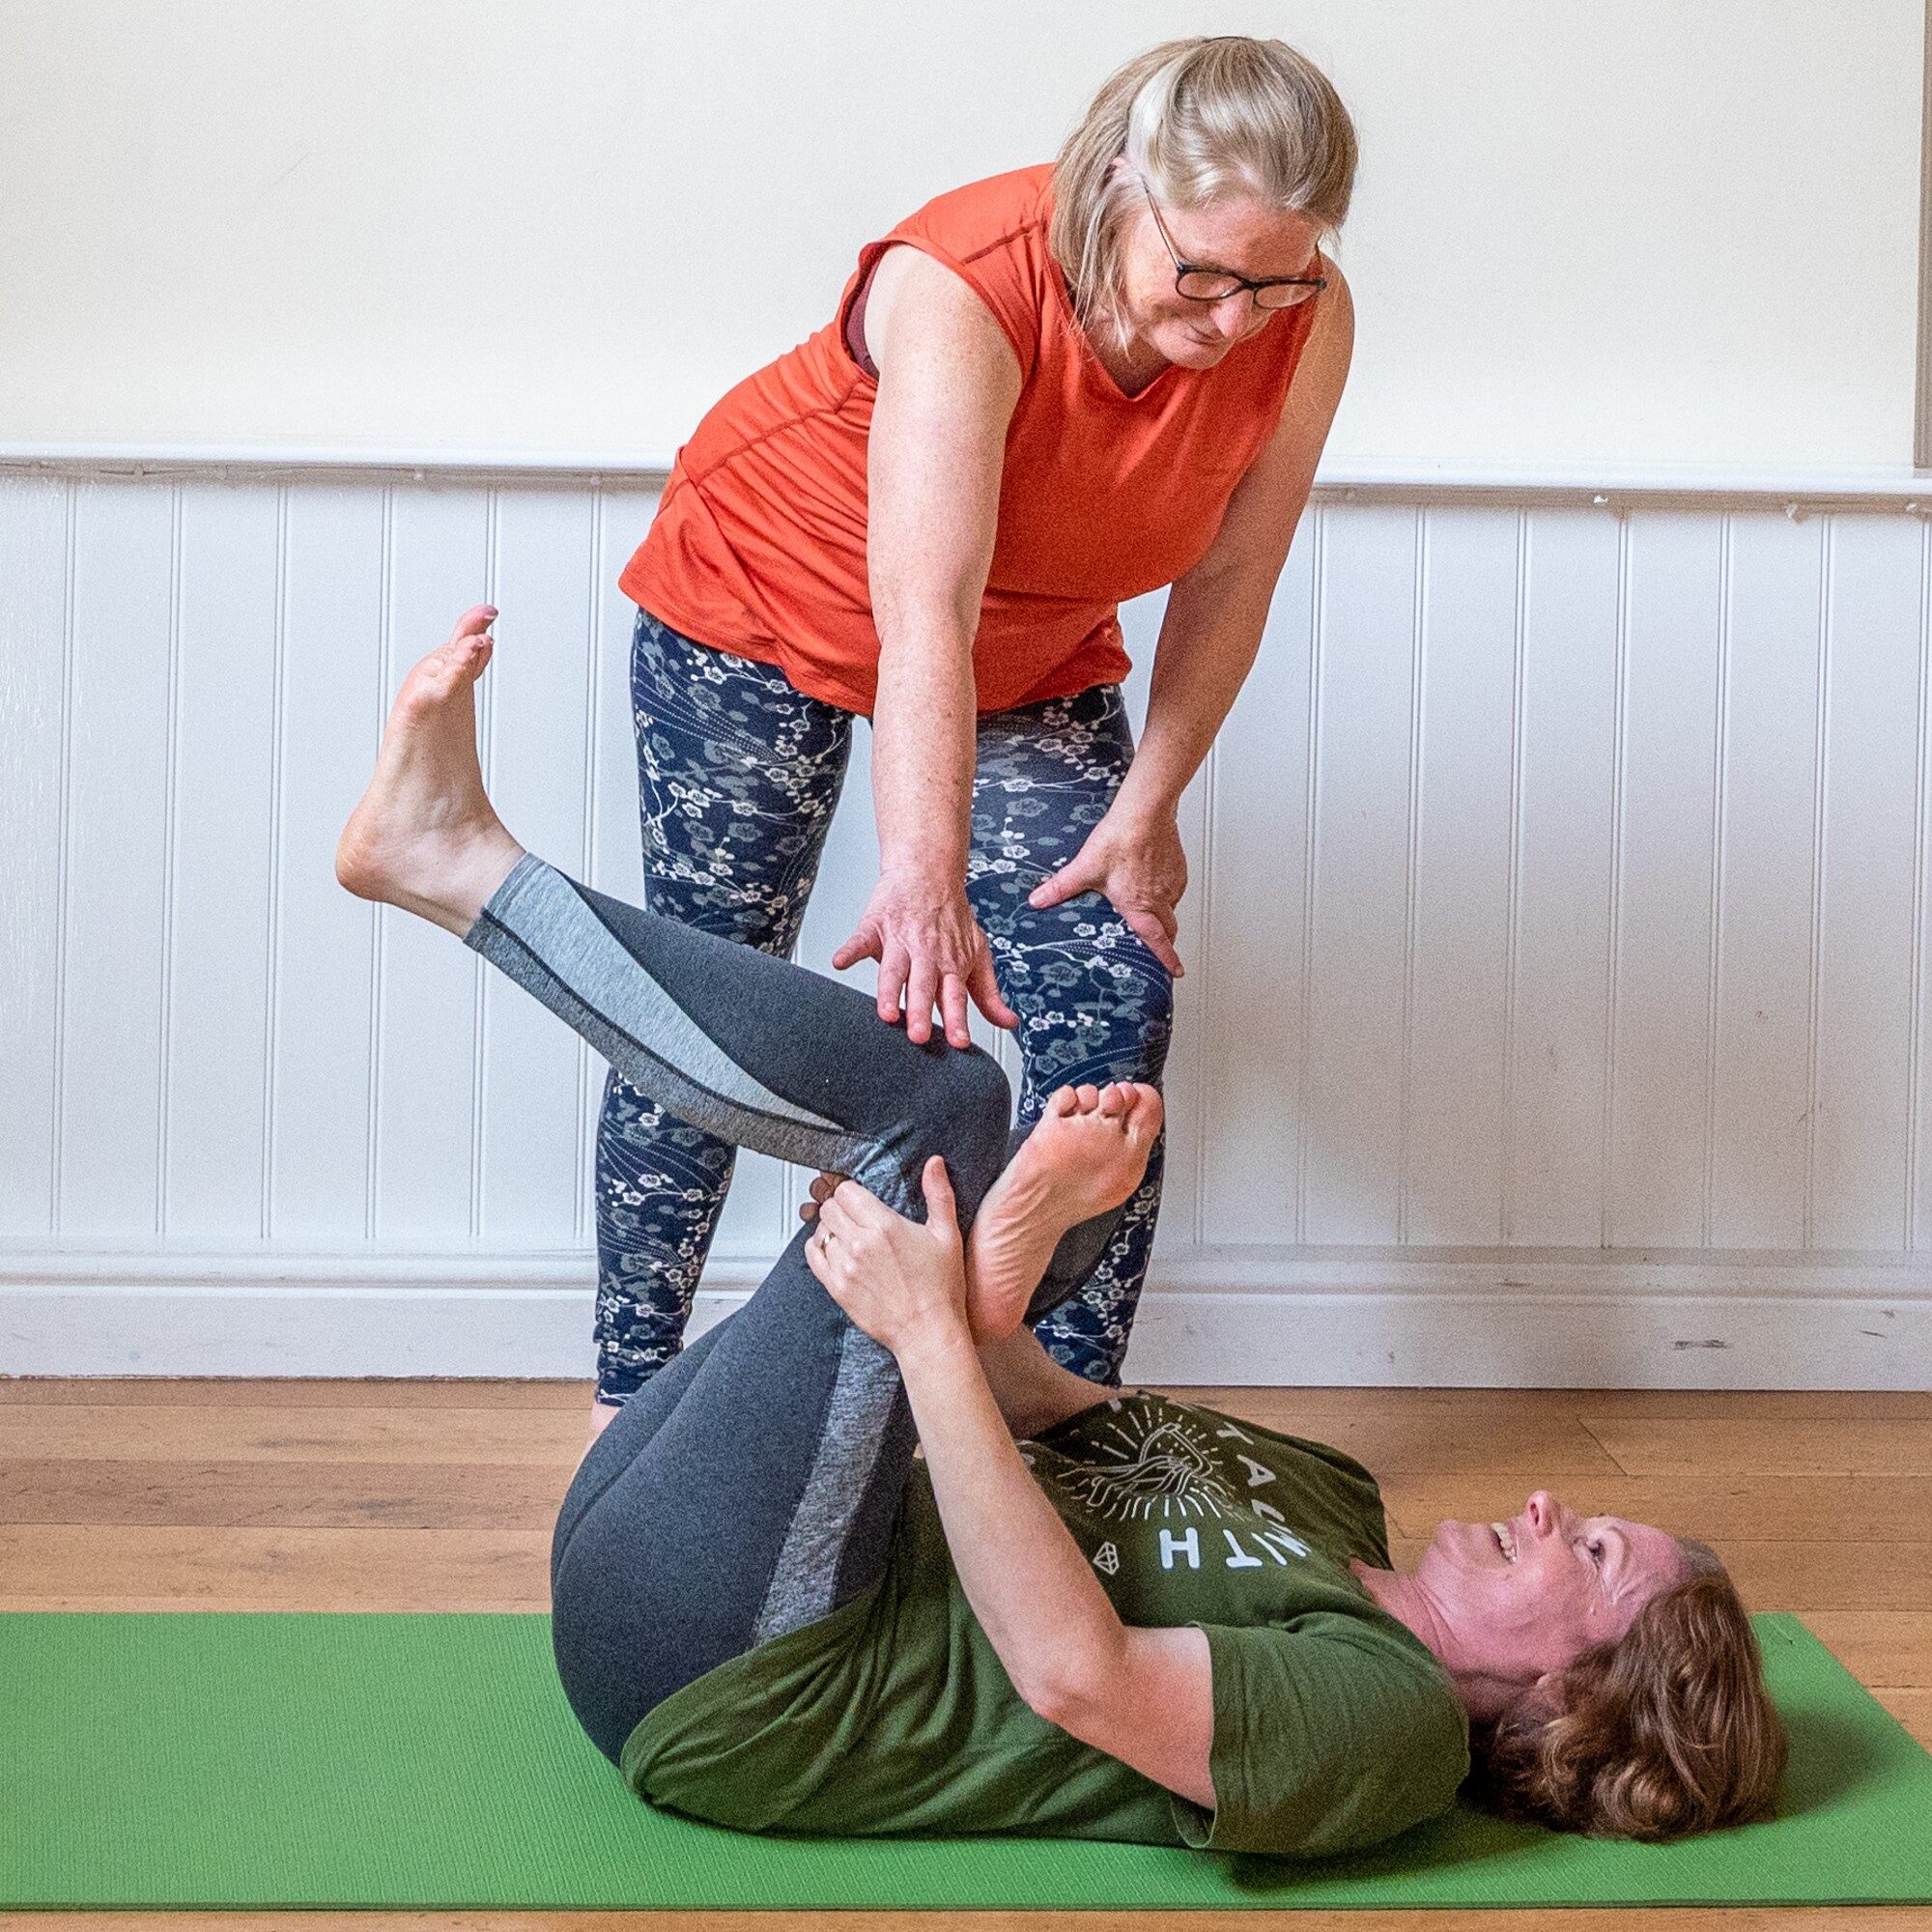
point(385, 1760)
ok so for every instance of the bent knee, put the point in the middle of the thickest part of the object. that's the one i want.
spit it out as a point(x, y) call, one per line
point(962, 1113)
point(979, 1089)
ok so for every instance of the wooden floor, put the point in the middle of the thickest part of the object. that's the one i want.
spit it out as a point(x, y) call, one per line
point(262, 1496)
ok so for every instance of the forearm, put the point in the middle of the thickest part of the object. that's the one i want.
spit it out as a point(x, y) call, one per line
point(1040, 1603)
point(1208, 642)
point(923, 750)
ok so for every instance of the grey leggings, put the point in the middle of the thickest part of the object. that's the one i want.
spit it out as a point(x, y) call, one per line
point(751, 1486)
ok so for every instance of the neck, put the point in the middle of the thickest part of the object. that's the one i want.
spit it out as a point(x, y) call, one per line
point(1412, 1607)
point(1132, 365)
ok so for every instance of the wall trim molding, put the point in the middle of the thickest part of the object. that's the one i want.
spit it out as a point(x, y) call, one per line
point(1232, 1316)
point(1794, 487)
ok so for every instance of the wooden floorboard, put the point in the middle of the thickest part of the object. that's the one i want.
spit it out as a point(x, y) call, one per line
point(297, 1391)
point(544, 1438)
point(263, 1494)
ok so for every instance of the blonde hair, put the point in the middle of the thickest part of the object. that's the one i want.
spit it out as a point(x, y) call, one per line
point(1198, 118)
point(1666, 1731)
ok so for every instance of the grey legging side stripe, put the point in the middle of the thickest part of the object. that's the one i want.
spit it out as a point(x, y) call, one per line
point(542, 930)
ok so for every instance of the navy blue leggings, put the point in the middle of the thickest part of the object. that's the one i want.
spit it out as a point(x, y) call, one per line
point(738, 774)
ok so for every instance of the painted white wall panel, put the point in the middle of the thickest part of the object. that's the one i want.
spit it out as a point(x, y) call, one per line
point(34, 523)
point(120, 762)
point(322, 941)
point(1768, 768)
point(217, 877)
point(533, 705)
point(1351, 1096)
point(425, 1099)
point(1559, 1045)
point(1499, 767)
point(1661, 1012)
point(1253, 890)
point(1864, 1002)
point(1457, 1034)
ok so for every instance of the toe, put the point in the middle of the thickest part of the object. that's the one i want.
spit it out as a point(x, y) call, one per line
point(1115, 1100)
point(1088, 1098)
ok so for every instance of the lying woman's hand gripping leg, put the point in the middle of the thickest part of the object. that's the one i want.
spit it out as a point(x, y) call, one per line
point(1085, 1155)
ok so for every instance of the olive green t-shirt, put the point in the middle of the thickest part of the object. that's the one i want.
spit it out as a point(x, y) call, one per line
point(1334, 1727)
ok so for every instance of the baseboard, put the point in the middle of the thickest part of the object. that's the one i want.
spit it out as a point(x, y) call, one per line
point(1552, 1318)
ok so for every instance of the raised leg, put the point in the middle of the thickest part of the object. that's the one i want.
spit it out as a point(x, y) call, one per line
point(752, 1488)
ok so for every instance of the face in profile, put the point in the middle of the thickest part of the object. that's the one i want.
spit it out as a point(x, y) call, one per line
point(1520, 1600)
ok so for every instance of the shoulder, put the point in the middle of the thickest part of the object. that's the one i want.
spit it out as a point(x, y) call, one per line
point(984, 250)
point(917, 296)
point(1329, 1736)
point(1331, 336)
point(981, 217)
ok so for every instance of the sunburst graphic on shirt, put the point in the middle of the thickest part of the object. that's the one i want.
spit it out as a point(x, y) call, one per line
point(1160, 1467)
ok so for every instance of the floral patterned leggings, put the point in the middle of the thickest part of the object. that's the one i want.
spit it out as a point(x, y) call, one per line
point(738, 774)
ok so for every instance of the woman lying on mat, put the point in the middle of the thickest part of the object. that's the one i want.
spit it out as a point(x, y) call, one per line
point(1088, 1614)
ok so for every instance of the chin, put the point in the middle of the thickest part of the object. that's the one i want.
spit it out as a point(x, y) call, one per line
point(1194, 354)
point(1462, 1545)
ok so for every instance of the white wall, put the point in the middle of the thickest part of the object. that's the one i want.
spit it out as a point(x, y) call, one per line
point(1647, 232)
point(1559, 958)
point(1559, 934)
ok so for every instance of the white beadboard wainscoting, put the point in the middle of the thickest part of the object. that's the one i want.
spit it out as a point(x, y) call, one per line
point(1556, 1008)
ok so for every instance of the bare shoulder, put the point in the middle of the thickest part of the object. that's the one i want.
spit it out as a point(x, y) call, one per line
point(914, 296)
point(1332, 337)
point(1316, 392)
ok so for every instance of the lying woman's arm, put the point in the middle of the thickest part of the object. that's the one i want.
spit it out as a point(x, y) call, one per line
point(1144, 1696)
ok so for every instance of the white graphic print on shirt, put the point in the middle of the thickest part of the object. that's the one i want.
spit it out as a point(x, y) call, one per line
point(1165, 1465)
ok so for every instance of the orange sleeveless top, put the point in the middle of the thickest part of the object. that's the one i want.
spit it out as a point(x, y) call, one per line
point(759, 547)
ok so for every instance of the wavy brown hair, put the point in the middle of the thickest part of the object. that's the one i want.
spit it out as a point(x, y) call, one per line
point(1662, 1732)
point(1213, 115)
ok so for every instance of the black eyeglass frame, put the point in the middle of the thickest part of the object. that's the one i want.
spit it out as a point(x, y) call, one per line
point(1182, 269)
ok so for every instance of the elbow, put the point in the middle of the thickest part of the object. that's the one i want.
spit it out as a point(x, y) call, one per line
point(1062, 1689)
point(1051, 1697)
point(936, 628)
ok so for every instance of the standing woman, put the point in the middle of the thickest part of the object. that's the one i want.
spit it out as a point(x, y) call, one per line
point(1043, 393)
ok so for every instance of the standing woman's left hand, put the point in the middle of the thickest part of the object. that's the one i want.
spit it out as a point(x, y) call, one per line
point(1138, 865)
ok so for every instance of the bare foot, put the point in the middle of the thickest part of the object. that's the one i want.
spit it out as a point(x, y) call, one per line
point(1086, 1155)
point(424, 836)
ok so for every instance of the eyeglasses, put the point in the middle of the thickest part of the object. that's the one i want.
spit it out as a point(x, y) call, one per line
point(1213, 285)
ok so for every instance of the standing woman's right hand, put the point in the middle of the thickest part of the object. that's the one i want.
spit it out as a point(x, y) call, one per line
point(929, 948)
